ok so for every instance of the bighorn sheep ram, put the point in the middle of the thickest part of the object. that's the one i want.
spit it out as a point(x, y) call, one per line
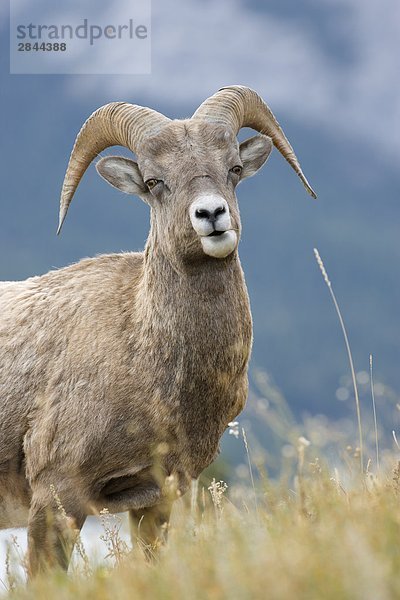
point(120, 373)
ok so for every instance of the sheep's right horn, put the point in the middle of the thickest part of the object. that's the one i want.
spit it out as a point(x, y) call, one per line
point(115, 124)
point(238, 106)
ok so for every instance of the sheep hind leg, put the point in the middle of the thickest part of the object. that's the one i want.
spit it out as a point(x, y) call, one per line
point(149, 528)
point(51, 538)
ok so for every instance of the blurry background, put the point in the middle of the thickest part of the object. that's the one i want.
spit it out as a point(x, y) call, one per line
point(330, 72)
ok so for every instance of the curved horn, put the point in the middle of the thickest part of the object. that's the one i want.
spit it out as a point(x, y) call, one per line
point(115, 124)
point(239, 106)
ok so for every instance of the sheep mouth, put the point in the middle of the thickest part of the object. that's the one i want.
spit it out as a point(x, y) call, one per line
point(216, 233)
point(219, 244)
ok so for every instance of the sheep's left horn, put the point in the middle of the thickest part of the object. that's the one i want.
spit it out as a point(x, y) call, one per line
point(239, 106)
point(115, 124)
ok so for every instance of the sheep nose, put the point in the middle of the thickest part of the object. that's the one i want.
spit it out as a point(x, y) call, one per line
point(210, 215)
point(210, 212)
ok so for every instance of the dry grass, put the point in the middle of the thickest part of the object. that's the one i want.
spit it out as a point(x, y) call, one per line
point(316, 539)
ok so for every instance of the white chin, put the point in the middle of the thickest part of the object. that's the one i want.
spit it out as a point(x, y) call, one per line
point(219, 246)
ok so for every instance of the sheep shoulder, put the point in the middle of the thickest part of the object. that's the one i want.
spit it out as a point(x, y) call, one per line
point(53, 332)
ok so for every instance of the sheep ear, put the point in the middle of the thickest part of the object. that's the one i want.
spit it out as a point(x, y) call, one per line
point(254, 152)
point(123, 174)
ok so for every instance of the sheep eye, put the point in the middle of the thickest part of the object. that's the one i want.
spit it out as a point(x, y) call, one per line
point(237, 170)
point(151, 183)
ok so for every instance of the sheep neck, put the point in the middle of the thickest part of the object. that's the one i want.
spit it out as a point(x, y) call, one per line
point(200, 324)
point(200, 294)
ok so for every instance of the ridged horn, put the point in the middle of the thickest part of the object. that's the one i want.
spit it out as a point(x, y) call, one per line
point(115, 124)
point(238, 106)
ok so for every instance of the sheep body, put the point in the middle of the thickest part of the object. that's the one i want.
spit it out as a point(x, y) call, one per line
point(96, 378)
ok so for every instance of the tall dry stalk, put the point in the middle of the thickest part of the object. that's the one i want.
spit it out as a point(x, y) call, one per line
point(374, 410)
point(349, 354)
point(251, 474)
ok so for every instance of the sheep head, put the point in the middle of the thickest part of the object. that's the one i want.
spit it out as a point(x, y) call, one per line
point(187, 173)
point(187, 170)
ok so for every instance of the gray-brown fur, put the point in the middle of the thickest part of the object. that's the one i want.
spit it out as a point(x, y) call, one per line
point(122, 370)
